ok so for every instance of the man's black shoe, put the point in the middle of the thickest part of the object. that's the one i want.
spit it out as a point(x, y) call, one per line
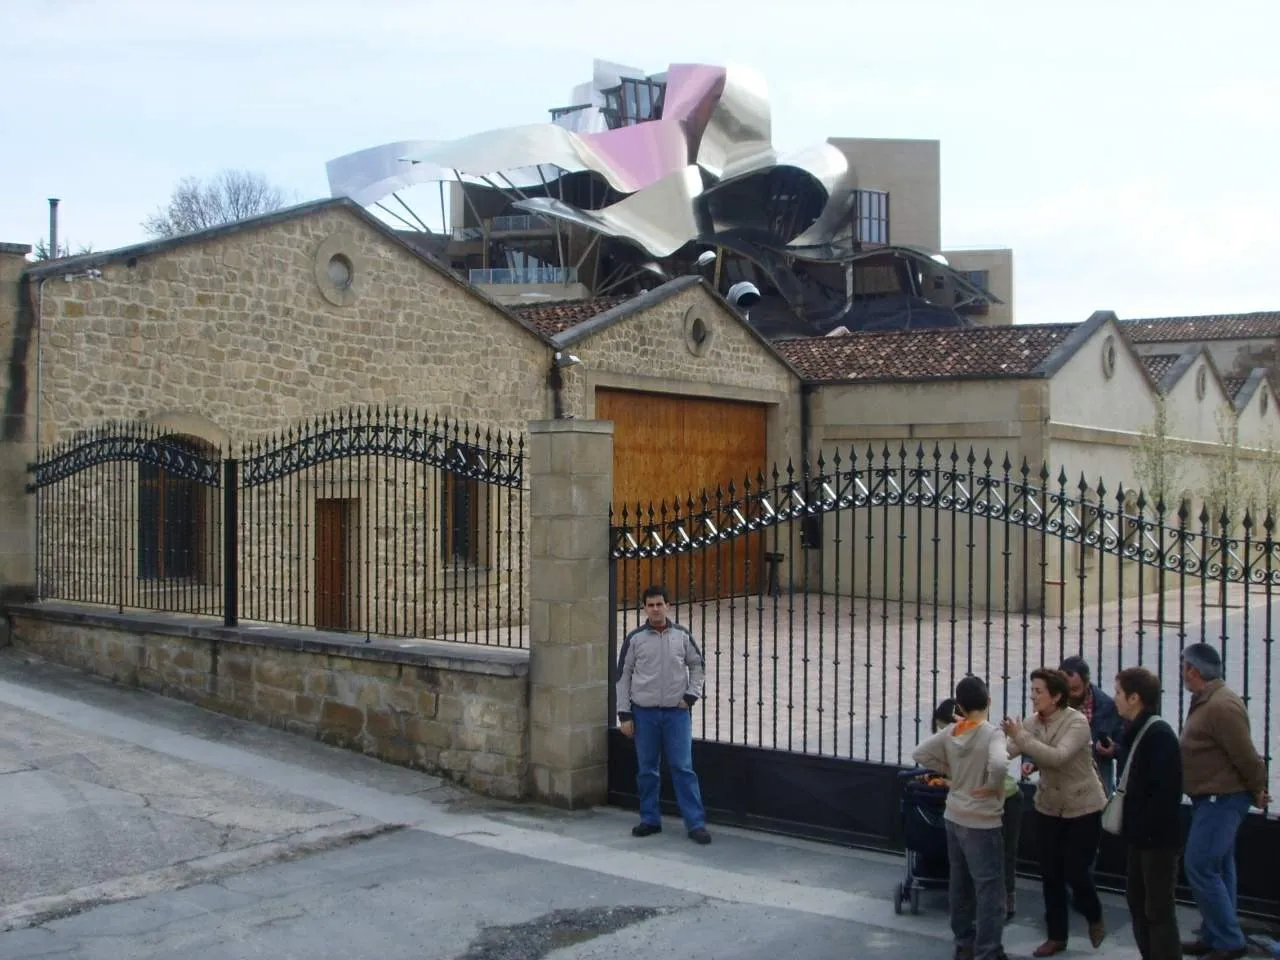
point(646, 829)
point(700, 836)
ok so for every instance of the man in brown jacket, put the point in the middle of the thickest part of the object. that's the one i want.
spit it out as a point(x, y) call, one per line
point(1221, 773)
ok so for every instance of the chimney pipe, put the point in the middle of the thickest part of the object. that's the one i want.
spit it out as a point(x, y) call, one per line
point(53, 228)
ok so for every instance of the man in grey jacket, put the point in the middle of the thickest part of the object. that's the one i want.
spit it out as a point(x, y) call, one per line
point(660, 675)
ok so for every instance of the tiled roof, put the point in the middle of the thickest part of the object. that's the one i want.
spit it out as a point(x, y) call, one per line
point(1233, 385)
point(927, 354)
point(1158, 364)
point(1234, 326)
point(557, 317)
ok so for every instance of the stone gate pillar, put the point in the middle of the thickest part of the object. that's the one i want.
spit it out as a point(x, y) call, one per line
point(17, 508)
point(570, 486)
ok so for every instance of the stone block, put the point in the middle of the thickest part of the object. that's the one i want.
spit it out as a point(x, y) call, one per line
point(570, 789)
point(571, 496)
point(237, 667)
point(275, 703)
point(561, 708)
point(581, 455)
point(368, 668)
point(280, 673)
point(430, 733)
point(382, 724)
point(341, 719)
point(306, 707)
point(567, 749)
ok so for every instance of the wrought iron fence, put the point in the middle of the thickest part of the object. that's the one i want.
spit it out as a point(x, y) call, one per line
point(377, 521)
point(838, 605)
point(130, 517)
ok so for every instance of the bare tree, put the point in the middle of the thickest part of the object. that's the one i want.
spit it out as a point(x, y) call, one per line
point(1229, 489)
point(1160, 461)
point(1266, 477)
point(226, 197)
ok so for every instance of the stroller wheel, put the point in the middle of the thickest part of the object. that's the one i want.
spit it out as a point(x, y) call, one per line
point(899, 895)
point(915, 901)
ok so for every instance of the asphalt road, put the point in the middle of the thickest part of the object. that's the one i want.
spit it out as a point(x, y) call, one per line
point(137, 827)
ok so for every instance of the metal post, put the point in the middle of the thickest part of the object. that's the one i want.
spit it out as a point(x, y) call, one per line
point(230, 542)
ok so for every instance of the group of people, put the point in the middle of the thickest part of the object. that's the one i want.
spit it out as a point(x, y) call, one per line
point(1076, 738)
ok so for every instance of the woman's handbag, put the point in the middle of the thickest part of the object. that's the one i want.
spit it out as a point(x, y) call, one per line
point(1113, 812)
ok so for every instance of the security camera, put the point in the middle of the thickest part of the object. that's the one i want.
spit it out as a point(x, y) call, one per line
point(744, 294)
point(706, 257)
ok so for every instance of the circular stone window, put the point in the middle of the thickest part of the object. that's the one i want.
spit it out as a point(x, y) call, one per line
point(1109, 357)
point(340, 271)
point(335, 269)
point(698, 332)
point(1202, 382)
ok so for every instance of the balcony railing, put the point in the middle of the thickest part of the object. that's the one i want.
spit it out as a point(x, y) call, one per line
point(523, 276)
point(516, 223)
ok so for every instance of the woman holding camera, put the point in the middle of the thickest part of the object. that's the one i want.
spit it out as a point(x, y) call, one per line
point(1069, 802)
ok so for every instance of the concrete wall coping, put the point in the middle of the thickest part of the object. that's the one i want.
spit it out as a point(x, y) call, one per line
point(571, 426)
point(438, 654)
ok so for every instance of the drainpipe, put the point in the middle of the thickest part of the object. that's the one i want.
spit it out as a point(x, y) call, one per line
point(556, 382)
point(810, 527)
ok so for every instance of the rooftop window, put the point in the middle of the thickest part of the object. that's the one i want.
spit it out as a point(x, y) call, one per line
point(632, 102)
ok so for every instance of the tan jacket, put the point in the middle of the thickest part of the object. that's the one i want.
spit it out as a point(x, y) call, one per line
point(1062, 748)
point(1218, 755)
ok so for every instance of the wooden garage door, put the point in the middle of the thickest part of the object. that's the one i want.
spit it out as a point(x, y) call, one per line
point(669, 448)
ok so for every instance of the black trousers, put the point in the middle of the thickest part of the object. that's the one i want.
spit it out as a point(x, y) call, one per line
point(1152, 886)
point(1068, 849)
point(1012, 824)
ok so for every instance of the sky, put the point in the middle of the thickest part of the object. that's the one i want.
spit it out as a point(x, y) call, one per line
point(1126, 151)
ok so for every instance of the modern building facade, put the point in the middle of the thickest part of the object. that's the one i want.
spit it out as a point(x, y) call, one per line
point(642, 178)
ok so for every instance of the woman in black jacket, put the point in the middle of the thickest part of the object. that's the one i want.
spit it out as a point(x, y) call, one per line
point(1151, 826)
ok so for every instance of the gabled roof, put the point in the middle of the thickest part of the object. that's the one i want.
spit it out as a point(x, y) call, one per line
point(1227, 326)
point(56, 268)
point(627, 307)
point(558, 316)
point(1159, 365)
point(981, 352)
point(1184, 362)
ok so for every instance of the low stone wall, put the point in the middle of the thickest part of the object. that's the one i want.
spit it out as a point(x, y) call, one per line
point(456, 710)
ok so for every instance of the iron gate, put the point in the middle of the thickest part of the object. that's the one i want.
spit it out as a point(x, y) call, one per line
point(880, 579)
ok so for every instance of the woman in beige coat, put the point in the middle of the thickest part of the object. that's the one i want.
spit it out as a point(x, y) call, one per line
point(1069, 802)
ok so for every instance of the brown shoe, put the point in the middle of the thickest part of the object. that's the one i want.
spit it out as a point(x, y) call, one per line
point(1097, 933)
point(1195, 948)
point(1049, 948)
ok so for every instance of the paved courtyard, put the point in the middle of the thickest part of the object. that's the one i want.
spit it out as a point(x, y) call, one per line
point(859, 679)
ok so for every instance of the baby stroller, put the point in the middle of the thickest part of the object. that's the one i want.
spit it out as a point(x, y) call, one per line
point(924, 797)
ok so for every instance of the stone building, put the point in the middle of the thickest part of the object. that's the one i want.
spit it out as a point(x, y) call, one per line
point(227, 339)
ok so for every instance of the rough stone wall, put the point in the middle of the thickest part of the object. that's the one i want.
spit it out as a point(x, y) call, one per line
point(652, 346)
point(462, 714)
point(238, 332)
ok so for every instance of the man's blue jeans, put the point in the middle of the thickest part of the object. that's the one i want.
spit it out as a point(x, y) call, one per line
point(667, 732)
point(976, 889)
point(1210, 864)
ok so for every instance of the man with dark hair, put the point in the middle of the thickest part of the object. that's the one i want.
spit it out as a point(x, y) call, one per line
point(1099, 709)
point(1151, 794)
point(972, 754)
point(1221, 773)
point(660, 675)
